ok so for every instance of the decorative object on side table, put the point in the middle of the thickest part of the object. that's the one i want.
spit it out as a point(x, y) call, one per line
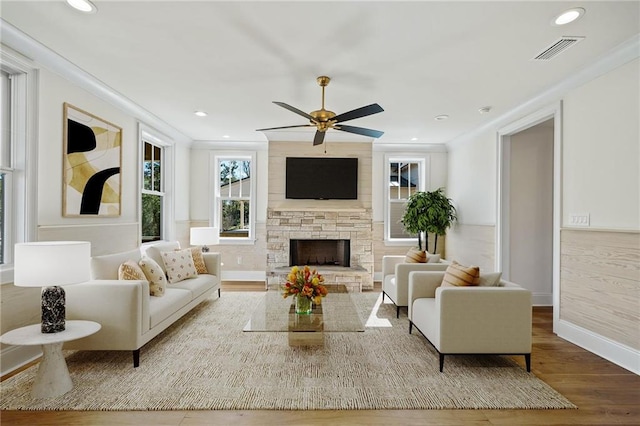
point(52, 264)
point(204, 236)
point(307, 286)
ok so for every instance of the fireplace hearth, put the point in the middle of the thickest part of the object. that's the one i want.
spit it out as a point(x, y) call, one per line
point(319, 252)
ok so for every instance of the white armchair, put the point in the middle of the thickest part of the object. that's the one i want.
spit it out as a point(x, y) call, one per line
point(471, 320)
point(395, 277)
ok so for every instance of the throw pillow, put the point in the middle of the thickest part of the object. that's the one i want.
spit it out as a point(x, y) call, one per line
point(198, 260)
point(155, 276)
point(460, 275)
point(433, 258)
point(130, 270)
point(179, 265)
point(490, 280)
point(415, 255)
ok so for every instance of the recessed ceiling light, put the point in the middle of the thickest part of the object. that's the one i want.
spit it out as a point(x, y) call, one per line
point(441, 117)
point(226, 136)
point(484, 109)
point(414, 139)
point(568, 16)
point(200, 113)
point(83, 6)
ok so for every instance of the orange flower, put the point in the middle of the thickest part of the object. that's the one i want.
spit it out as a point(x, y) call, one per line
point(305, 282)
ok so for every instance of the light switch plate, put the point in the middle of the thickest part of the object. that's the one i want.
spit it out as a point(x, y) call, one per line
point(579, 219)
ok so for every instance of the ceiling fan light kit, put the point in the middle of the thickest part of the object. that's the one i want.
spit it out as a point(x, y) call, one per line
point(324, 119)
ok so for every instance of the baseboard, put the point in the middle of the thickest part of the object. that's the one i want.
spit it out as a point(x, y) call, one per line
point(244, 276)
point(14, 357)
point(608, 349)
point(542, 299)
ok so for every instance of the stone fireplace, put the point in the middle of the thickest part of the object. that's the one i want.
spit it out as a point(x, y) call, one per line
point(323, 233)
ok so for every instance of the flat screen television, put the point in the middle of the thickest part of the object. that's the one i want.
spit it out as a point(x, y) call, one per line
point(322, 178)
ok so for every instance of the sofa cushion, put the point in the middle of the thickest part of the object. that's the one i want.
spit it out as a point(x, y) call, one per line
point(491, 279)
point(179, 265)
point(106, 267)
point(154, 251)
point(197, 285)
point(130, 270)
point(415, 255)
point(161, 308)
point(460, 275)
point(155, 276)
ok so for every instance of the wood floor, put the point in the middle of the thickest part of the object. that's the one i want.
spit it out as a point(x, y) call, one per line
point(604, 393)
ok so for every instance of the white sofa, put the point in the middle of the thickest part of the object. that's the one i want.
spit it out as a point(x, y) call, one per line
point(471, 320)
point(129, 316)
point(395, 276)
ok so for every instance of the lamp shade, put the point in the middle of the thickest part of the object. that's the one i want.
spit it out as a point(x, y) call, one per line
point(52, 263)
point(204, 236)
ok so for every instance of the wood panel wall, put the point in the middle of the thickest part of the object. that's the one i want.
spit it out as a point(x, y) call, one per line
point(600, 283)
point(472, 245)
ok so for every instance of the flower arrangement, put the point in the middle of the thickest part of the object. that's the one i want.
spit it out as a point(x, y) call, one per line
point(305, 282)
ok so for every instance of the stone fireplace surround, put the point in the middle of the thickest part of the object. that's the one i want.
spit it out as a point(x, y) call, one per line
point(354, 224)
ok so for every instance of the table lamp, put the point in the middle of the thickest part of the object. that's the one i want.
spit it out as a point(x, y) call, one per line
point(52, 264)
point(203, 236)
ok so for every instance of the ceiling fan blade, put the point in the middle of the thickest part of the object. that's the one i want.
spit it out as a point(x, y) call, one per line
point(294, 109)
point(358, 112)
point(359, 131)
point(318, 138)
point(285, 127)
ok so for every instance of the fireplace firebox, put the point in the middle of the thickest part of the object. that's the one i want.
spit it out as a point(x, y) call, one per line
point(320, 252)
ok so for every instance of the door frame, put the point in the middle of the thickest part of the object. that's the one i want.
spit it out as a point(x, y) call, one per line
point(502, 253)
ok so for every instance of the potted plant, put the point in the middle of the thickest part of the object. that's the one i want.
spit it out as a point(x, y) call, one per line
point(428, 212)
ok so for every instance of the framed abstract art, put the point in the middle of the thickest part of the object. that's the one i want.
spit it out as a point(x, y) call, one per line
point(91, 167)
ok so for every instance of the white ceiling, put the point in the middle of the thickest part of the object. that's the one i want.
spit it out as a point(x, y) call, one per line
point(416, 59)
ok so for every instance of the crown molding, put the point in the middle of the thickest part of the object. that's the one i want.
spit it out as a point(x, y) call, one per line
point(410, 147)
point(47, 58)
point(618, 56)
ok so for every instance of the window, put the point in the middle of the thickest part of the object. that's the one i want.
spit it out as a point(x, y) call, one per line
point(18, 141)
point(152, 192)
point(234, 203)
point(404, 177)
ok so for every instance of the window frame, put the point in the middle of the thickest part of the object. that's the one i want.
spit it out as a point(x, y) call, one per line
point(215, 205)
point(21, 196)
point(423, 162)
point(156, 139)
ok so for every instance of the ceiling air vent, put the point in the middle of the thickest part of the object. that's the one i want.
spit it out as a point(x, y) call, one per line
point(557, 47)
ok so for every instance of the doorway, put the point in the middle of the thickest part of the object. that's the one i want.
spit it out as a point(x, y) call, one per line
point(528, 223)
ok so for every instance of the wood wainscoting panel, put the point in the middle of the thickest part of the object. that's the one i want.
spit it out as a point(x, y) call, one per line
point(472, 245)
point(600, 283)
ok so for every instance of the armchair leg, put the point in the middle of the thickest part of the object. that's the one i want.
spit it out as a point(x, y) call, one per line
point(441, 362)
point(383, 297)
point(410, 326)
point(218, 292)
point(397, 311)
point(527, 360)
point(136, 358)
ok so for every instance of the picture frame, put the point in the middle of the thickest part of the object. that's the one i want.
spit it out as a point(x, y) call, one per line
point(92, 162)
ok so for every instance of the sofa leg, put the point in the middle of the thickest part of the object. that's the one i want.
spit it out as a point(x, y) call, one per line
point(527, 360)
point(136, 358)
point(410, 326)
point(218, 293)
point(441, 362)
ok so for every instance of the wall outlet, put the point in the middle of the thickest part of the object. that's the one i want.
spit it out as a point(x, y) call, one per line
point(579, 219)
point(239, 260)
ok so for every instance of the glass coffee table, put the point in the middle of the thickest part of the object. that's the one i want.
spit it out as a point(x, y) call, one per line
point(337, 313)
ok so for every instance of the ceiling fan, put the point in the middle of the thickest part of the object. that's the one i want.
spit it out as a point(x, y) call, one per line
point(324, 119)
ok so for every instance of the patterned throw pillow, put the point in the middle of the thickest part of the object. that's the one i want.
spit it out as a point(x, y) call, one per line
point(459, 275)
point(155, 276)
point(179, 265)
point(415, 256)
point(198, 260)
point(130, 270)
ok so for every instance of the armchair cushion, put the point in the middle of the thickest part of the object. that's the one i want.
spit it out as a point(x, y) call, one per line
point(491, 279)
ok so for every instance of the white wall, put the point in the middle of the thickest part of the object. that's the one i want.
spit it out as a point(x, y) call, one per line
point(601, 150)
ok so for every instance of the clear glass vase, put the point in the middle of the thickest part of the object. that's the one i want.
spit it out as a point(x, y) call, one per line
point(303, 305)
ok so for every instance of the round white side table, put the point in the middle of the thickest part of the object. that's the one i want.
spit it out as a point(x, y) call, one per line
point(53, 377)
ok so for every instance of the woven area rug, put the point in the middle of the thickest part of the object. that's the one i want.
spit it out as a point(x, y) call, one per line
point(205, 362)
